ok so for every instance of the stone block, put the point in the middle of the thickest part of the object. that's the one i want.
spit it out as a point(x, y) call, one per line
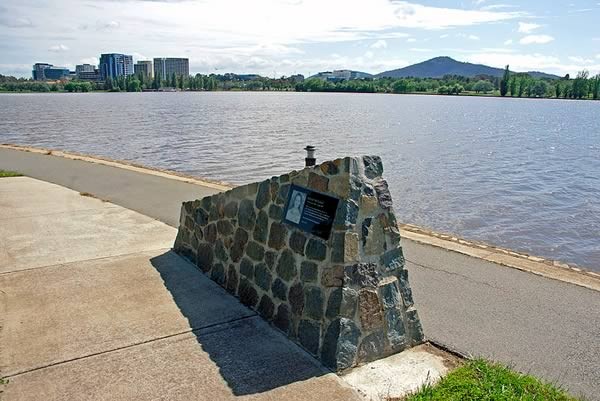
point(296, 298)
point(205, 257)
point(332, 276)
point(297, 242)
point(279, 289)
point(220, 251)
point(334, 303)
point(240, 239)
point(362, 275)
point(262, 276)
point(372, 347)
point(217, 274)
point(282, 318)
point(263, 196)
point(266, 307)
point(277, 235)
point(255, 251)
point(210, 233)
point(371, 315)
point(201, 217)
point(247, 293)
point(286, 265)
point(383, 194)
point(309, 272)
point(393, 259)
point(318, 182)
point(316, 249)
point(349, 303)
point(224, 227)
point(329, 168)
point(351, 248)
point(373, 166)
point(246, 214)
point(232, 280)
point(270, 259)
point(276, 212)
point(309, 335)
point(247, 268)
point(231, 209)
point(313, 302)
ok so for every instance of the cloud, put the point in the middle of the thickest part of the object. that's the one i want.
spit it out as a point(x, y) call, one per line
point(380, 44)
point(531, 62)
point(444, 36)
point(527, 28)
point(107, 26)
point(508, 42)
point(58, 48)
point(411, 40)
point(9, 20)
point(473, 37)
point(89, 60)
point(419, 49)
point(536, 39)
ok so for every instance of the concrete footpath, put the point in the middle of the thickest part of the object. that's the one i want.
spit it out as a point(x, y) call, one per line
point(546, 327)
point(95, 306)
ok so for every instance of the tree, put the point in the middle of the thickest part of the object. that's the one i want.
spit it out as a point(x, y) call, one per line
point(504, 82)
point(134, 85)
point(400, 86)
point(513, 86)
point(108, 84)
point(156, 82)
point(173, 83)
point(483, 86)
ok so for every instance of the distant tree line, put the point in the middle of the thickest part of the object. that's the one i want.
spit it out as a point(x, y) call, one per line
point(509, 85)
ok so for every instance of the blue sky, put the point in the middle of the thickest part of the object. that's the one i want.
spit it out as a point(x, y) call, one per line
point(282, 37)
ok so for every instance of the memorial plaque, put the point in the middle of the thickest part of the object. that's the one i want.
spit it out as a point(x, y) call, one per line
point(310, 211)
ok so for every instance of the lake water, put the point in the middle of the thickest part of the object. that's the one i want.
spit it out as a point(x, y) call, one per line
point(517, 173)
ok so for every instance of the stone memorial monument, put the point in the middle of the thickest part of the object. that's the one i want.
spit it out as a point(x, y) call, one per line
point(317, 253)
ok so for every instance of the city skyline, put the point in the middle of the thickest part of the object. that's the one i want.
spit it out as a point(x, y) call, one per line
point(283, 37)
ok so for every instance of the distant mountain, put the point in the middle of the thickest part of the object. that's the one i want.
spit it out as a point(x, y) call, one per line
point(439, 66)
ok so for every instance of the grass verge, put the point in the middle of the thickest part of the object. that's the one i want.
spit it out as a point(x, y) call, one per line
point(482, 380)
point(5, 173)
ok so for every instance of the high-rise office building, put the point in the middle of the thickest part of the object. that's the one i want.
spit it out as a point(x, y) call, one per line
point(166, 67)
point(44, 71)
point(144, 68)
point(84, 68)
point(113, 65)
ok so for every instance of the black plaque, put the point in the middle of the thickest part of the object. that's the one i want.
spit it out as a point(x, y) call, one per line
point(311, 211)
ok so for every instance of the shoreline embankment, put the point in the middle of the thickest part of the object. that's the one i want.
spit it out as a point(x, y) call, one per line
point(552, 269)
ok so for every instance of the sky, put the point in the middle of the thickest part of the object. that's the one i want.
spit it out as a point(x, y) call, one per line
point(284, 37)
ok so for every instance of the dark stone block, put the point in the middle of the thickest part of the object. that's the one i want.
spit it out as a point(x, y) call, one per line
point(329, 168)
point(393, 259)
point(232, 280)
point(262, 227)
point(276, 212)
point(332, 276)
point(330, 343)
point(346, 214)
point(309, 334)
point(414, 325)
point(213, 214)
point(296, 297)
point(395, 329)
point(373, 166)
point(201, 217)
point(247, 268)
point(297, 242)
point(220, 251)
point(368, 190)
point(362, 275)
point(204, 257)
point(240, 239)
point(277, 235)
point(366, 224)
point(231, 209)
point(337, 247)
point(274, 188)
point(279, 289)
point(283, 194)
point(224, 227)
point(333, 304)
point(284, 178)
point(309, 271)
point(347, 343)
point(318, 182)
point(282, 318)
point(316, 249)
point(247, 293)
point(194, 241)
point(355, 188)
point(246, 214)
point(270, 259)
point(255, 251)
point(405, 289)
point(263, 196)
point(313, 302)
point(206, 203)
point(262, 276)
point(383, 194)
point(286, 266)
point(266, 307)
point(189, 223)
point(210, 233)
point(351, 166)
point(390, 295)
point(217, 274)
point(371, 347)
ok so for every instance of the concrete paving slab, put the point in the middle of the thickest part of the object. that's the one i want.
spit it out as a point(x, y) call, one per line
point(65, 312)
point(401, 374)
point(88, 229)
point(245, 360)
point(26, 197)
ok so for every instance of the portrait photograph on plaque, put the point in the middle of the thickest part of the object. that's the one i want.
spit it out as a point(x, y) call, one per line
point(310, 211)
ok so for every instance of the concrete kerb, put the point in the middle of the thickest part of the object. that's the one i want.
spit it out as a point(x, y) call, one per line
point(551, 269)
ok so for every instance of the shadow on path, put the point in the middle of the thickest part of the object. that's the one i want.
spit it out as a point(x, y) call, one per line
point(252, 356)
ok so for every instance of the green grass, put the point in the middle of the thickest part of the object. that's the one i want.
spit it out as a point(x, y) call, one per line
point(482, 380)
point(4, 173)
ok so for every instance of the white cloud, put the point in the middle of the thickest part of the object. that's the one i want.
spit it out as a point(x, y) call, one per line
point(473, 37)
point(580, 60)
point(527, 28)
point(531, 62)
point(369, 54)
point(58, 48)
point(508, 42)
point(444, 36)
point(89, 60)
point(380, 44)
point(536, 39)
point(411, 40)
point(419, 49)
